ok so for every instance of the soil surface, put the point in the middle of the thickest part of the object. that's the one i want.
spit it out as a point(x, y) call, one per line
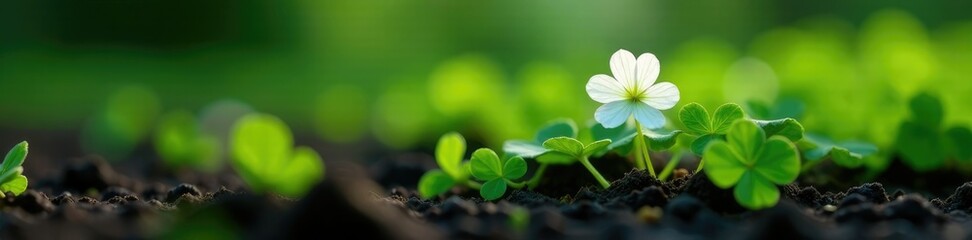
point(90, 199)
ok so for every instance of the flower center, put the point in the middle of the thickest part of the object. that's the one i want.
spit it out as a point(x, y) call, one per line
point(634, 95)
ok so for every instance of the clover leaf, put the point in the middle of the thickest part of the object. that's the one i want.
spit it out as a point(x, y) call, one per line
point(181, 143)
point(532, 148)
point(708, 128)
point(622, 138)
point(565, 150)
point(11, 178)
point(449, 154)
point(848, 154)
point(485, 165)
point(752, 164)
point(920, 140)
point(264, 156)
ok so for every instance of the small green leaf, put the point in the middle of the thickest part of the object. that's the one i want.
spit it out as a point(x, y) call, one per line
point(755, 192)
point(524, 149)
point(787, 127)
point(449, 152)
point(10, 174)
point(555, 157)
point(845, 158)
point(919, 146)
point(17, 185)
point(305, 169)
point(748, 138)
point(700, 143)
point(722, 165)
point(565, 145)
point(514, 168)
point(927, 110)
point(724, 116)
point(596, 146)
point(493, 189)
point(848, 154)
point(960, 140)
point(695, 118)
point(261, 149)
point(778, 161)
point(15, 157)
point(557, 128)
point(433, 183)
point(657, 140)
point(599, 132)
point(485, 165)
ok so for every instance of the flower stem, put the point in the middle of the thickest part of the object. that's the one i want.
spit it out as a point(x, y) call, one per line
point(701, 164)
point(642, 146)
point(670, 166)
point(587, 164)
point(535, 180)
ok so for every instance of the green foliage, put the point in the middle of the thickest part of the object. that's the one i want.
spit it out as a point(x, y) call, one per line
point(519, 219)
point(920, 139)
point(622, 138)
point(708, 128)
point(180, 143)
point(531, 149)
point(784, 108)
point(485, 165)
point(264, 156)
point(126, 119)
point(849, 154)
point(960, 142)
point(751, 163)
point(449, 154)
point(787, 127)
point(11, 178)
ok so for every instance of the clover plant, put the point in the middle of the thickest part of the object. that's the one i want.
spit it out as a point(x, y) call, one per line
point(453, 171)
point(264, 156)
point(566, 150)
point(181, 143)
point(11, 177)
point(922, 142)
point(623, 141)
point(497, 175)
point(849, 154)
point(534, 148)
point(752, 164)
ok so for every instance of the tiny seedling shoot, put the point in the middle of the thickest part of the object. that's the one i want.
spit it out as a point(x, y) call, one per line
point(264, 156)
point(12, 179)
point(566, 150)
point(633, 92)
point(751, 163)
point(497, 175)
point(449, 154)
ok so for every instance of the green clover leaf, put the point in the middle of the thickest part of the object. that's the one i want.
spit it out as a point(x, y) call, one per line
point(485, 165)
point(449, 153)
point(264, 156)
point(698, 122)
point(849, 154)
point(434, 182)
point(11, 178)
point(531, 149)
point(622, 138)
point(751, 163)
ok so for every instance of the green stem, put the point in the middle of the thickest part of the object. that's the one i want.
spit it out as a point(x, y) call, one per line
point(535, 180)
point(517, 185)
point(701, 164)
point(670, 166)
point(474, 185)
point(587, 164)
point(642, 146)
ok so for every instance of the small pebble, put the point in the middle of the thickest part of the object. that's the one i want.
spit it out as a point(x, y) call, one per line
point(650, 214)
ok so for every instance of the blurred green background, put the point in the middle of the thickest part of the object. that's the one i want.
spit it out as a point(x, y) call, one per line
point(397, 74)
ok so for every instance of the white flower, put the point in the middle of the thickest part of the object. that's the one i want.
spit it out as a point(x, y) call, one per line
point(632, 91)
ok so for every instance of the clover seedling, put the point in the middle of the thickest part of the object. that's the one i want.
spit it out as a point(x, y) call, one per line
point(623, 140)
point(849, 154)
point(485, 165)
point(698, 123)
point(181, 143)
point(11, 178)
point(920, 139)
point(565, 150)
point(449, 153)
point(752, 163)
point(533, 148)
point(264, 156)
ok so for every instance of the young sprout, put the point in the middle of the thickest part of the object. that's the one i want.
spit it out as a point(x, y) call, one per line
point(264, 156)
point(449, 153)
point(752, 163)
point(11, 178)
point(181, 143)
point(533, 148)
point(633, 92)
point(565, 150)
point(486, 166)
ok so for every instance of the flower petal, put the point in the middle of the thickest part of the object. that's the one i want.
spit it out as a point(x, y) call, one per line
point(662, 96)
point(604, 89)
point(614, 114)
point(648, 117)
point(648, 68)
point(623, 67)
